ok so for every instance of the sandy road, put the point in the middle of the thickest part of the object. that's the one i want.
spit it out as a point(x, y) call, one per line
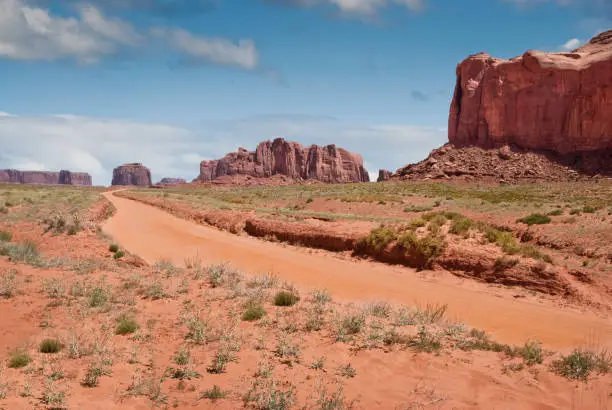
point(154, 234)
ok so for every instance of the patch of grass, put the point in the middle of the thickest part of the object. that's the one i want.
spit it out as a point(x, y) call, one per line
point(253, 312)
point(26, 252)
point(318, 364)
point(535, 219)
point(532, 352)
point(18, 359)
point(579, 364)
point(379, 309)
point(350, 324)
point(214, 394)
point(93, 374)
point(113, 247)
point(126, 325)
point(5, 236)
point(50, 346)
point(222, 274)
point(267, 394)
point(461, 226)
point(285, 298)
point(425, 341)
point(418, 208)
point(98, 297)
point(8, 284)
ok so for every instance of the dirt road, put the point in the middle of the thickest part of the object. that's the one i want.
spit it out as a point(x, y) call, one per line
point(154, 234)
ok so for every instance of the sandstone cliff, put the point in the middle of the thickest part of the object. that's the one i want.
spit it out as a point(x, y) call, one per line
point(326, 164)
point(63, 177)
point(132, 174)
point(559, 102)
point(384, 175)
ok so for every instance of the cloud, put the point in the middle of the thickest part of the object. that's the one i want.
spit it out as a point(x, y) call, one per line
point(419, 96)
point(98, 145)
point(571, 44)
point(210, 49)
point(34, 33)
point(353, 7)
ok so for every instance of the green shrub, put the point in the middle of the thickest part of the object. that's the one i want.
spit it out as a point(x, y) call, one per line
point(19, 358)
point(589, 209)
point(378, 239)
point(126, 325)
point(532, 353)
point(555, 212)
point(284, 298)
point(418, 208)
point(215, 393)
point(461, 226)
point(119, 255)
point(535, 219)
point(579, 364)
point(253, 312)
point(421, 252)
point(113, 248)
point(5, 236)
point(50, 346)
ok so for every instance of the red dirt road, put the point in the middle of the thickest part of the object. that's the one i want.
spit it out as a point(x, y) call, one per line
point(154, 234)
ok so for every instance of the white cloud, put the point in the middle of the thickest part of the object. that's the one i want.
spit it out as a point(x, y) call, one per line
point(34, 33)
point(571, 44)
point(355, 7)
point(97, 145)
point(211, 49)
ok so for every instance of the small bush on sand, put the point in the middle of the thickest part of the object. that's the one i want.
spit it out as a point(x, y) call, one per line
point(285, 298)
point(19, 358)
point(113, 248)
point(118, 255)
point(5, 236)
point(8, 284)
point(532, 352)
point(425, 341)
point(215, 393)
point(126, 325)
point(535, 219)
point(555, 212)
point(50, 346)
point(579, 364)
point(253, 312)
point(378, 239)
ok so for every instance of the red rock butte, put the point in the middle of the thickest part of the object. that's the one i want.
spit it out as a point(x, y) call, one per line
point(63, 177)
point(326, 164)
point(560, 102)
point(132, 174)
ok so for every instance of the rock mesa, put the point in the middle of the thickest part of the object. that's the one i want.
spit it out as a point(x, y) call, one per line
point(322, 163)
point(62, 177)
point(132, 174)
point(559, 102)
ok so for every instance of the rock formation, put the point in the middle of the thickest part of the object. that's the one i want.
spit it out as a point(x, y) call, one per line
point(384, 175)
point(171, 181)
point(559, 102)
point(326, 164)
point(62, 177)
point(132, 174)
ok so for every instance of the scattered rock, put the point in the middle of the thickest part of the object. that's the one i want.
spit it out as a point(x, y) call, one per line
point(326, 164)
point(132, 174)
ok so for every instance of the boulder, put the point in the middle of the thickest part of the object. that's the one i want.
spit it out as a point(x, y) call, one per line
point(558, 102)
point(63, 177)
point(132, 174)
point(326, 164)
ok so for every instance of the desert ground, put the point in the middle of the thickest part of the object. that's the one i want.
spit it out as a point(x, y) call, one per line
point(394, 295)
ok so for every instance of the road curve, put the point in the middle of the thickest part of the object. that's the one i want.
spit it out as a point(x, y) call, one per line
point(154, 234)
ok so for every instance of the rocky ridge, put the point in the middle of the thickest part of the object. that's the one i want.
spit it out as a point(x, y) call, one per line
point(63, 177)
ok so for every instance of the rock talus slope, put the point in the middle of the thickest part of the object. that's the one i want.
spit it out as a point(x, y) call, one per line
point(63, 177)
point(326, 164)
point(132, 174)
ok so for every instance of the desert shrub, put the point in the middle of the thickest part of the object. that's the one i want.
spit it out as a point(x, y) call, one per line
point(113, 247)
point(8, 284)
point(347, 371)
point(587, 209)
point(50, 346)
point(253, 312)
point(285, 298)
point(579, 364)
point(118, 255)
point(222, 274)
point(416, 223)
point(215, 393)
point(378, 239)
point(350, 324)
point(555, 212)
point(267, 394)
point(98, 297)
point(93, 374)
point(421, 252)
point(320, 296)
point(532, 252)
point(379, 309)
point(425, 341)
point(461, 226)
point(5, 236)
point(126, 325)
point(535, 219)
point(532, 352)
point(19, 358)
point(418, 208)
point(26, 252)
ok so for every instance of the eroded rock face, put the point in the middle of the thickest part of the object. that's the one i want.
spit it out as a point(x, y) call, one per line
point(326, 164)
point(63, 177)
point(384, 175)
point(560, 102)
point(132, 174)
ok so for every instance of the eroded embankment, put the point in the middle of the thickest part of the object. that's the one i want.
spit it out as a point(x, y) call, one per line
point(472, 250)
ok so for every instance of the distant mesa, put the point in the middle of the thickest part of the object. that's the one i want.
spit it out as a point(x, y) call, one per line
point(171, 181)
point(133, 174)
point(328, 164)
point(63, 177)
point(384, 175)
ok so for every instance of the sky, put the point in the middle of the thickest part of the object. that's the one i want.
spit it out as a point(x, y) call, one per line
point(90, 84)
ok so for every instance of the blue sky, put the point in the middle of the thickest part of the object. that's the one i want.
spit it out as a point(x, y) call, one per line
point(89, 85)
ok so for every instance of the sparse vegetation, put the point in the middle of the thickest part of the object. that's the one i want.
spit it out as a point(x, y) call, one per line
point(579, 364)
point(535, 219)
point(285, 298)
point(126, 325)
point(214, 394)
point(18, 359)
point(50, 346)
point(113, 248)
